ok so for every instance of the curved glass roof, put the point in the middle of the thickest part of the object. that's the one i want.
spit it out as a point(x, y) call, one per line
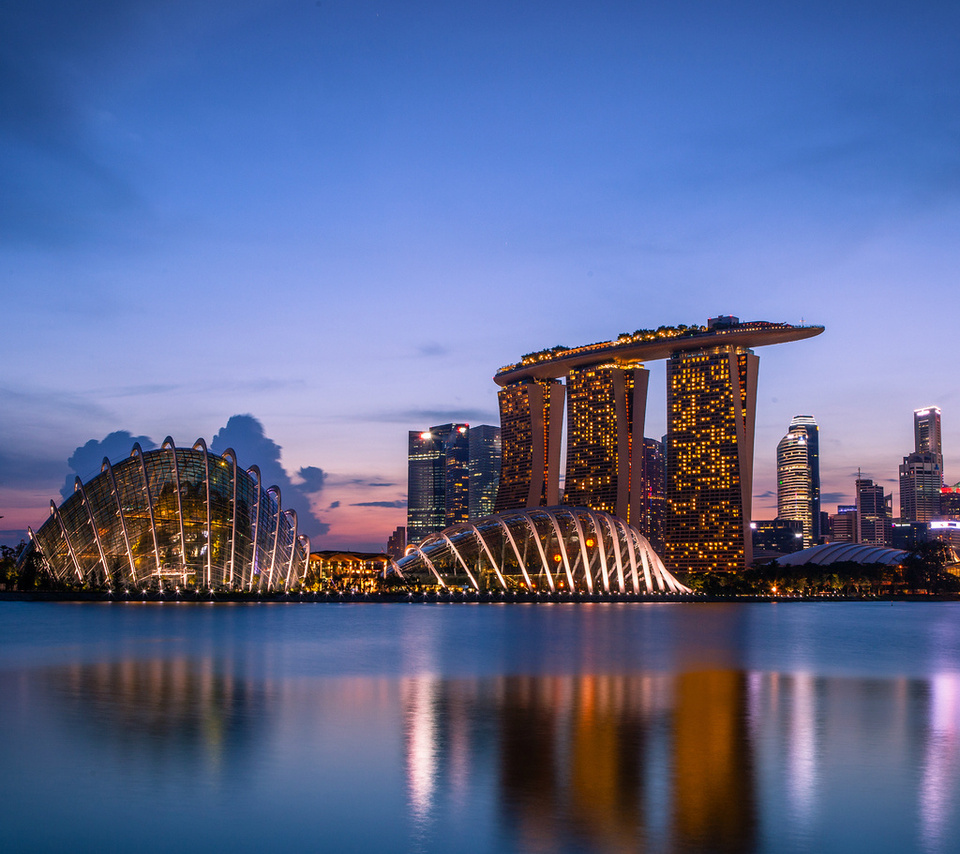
point(541, 548)
point(174, 517)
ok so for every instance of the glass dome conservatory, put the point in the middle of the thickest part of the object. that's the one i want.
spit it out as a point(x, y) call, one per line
point(174, 518)
point(541, 549)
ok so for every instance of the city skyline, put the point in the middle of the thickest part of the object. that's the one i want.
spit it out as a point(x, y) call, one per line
point(341, 219)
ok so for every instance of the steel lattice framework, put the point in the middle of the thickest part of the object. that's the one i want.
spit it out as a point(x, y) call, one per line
point(542, 548)
point(175, 517)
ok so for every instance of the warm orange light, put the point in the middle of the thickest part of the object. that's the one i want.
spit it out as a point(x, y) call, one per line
point(589, 543)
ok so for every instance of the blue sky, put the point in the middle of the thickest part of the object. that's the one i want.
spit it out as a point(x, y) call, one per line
point(342, 218)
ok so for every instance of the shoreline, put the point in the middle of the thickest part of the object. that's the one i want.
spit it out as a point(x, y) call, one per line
point(453, 598)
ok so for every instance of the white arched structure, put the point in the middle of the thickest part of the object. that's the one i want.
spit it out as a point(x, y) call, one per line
point(541, 549)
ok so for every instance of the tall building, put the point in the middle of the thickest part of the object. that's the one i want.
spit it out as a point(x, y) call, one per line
point(438, 463)
point(606, 406)
point(921, 473)
point(531, 421)
point(653, 504)
point(711, 398)
point(873, 513)
point(926, 432)
point(711, 415)
point(920, 483)
point(484, 442)
point(798, 477)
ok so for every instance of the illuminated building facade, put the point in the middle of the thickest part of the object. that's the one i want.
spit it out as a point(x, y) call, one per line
point(484, 447)
point(531, 420)
point(873, 513)
point(926, 433)
point(950, 502)
point(710, 432)
point(711, 416)
point(606, 406)
point(653, 503)
point(181, 518)
point(798, 477)
point(921, 473)
point(438, 470)
point(921, 481)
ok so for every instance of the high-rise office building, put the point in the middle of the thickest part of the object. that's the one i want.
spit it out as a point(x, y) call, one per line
point(606, 406)
point(711, 416)
point(920, 483)
point(798, 477)
point(921, 473)
point(438, 464)
point(531, 421)
point(873, 513)
point(653, 504)
point(484, 441)
point(926, 432)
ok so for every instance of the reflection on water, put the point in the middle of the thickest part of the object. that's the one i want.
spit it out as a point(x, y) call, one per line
point(172, 712)
point(720, 760)
point(478, 730)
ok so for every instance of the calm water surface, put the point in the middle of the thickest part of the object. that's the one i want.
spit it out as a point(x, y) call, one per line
point(829, 727)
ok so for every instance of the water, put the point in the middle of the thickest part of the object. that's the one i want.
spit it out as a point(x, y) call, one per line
point(830, 727)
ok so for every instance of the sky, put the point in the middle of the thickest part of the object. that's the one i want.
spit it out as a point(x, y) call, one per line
point(313, 226)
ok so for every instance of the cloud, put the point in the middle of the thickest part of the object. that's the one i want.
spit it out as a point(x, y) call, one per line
point(313, 479)
point(768, 494)
point(833, 498)
point(245, 435)
point(333, 505)
point(393, 504)
point(86, 460)
point(381, 484)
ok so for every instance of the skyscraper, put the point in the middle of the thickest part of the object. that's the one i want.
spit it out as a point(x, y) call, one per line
point(921, 473)
point(798, 477)
point(873, 517)
point(653, 504)
point(711, 416)
point(484, 441)
point(926, 432)
point(438, 463)
point(606, 405)
point(920, 483)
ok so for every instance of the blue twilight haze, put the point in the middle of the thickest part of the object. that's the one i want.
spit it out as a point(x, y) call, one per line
point(343, 217)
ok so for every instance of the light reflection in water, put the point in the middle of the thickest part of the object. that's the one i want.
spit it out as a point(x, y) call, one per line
point(941, 760)
point(672, 762)
point(479, 730)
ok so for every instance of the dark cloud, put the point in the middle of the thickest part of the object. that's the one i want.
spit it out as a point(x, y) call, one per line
point(768, 494)
point(333, 505)
point(313, 479)
point(381, 484)
point(245, 435)
point(833, 498)
point(399, 503)
point(86, 460)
